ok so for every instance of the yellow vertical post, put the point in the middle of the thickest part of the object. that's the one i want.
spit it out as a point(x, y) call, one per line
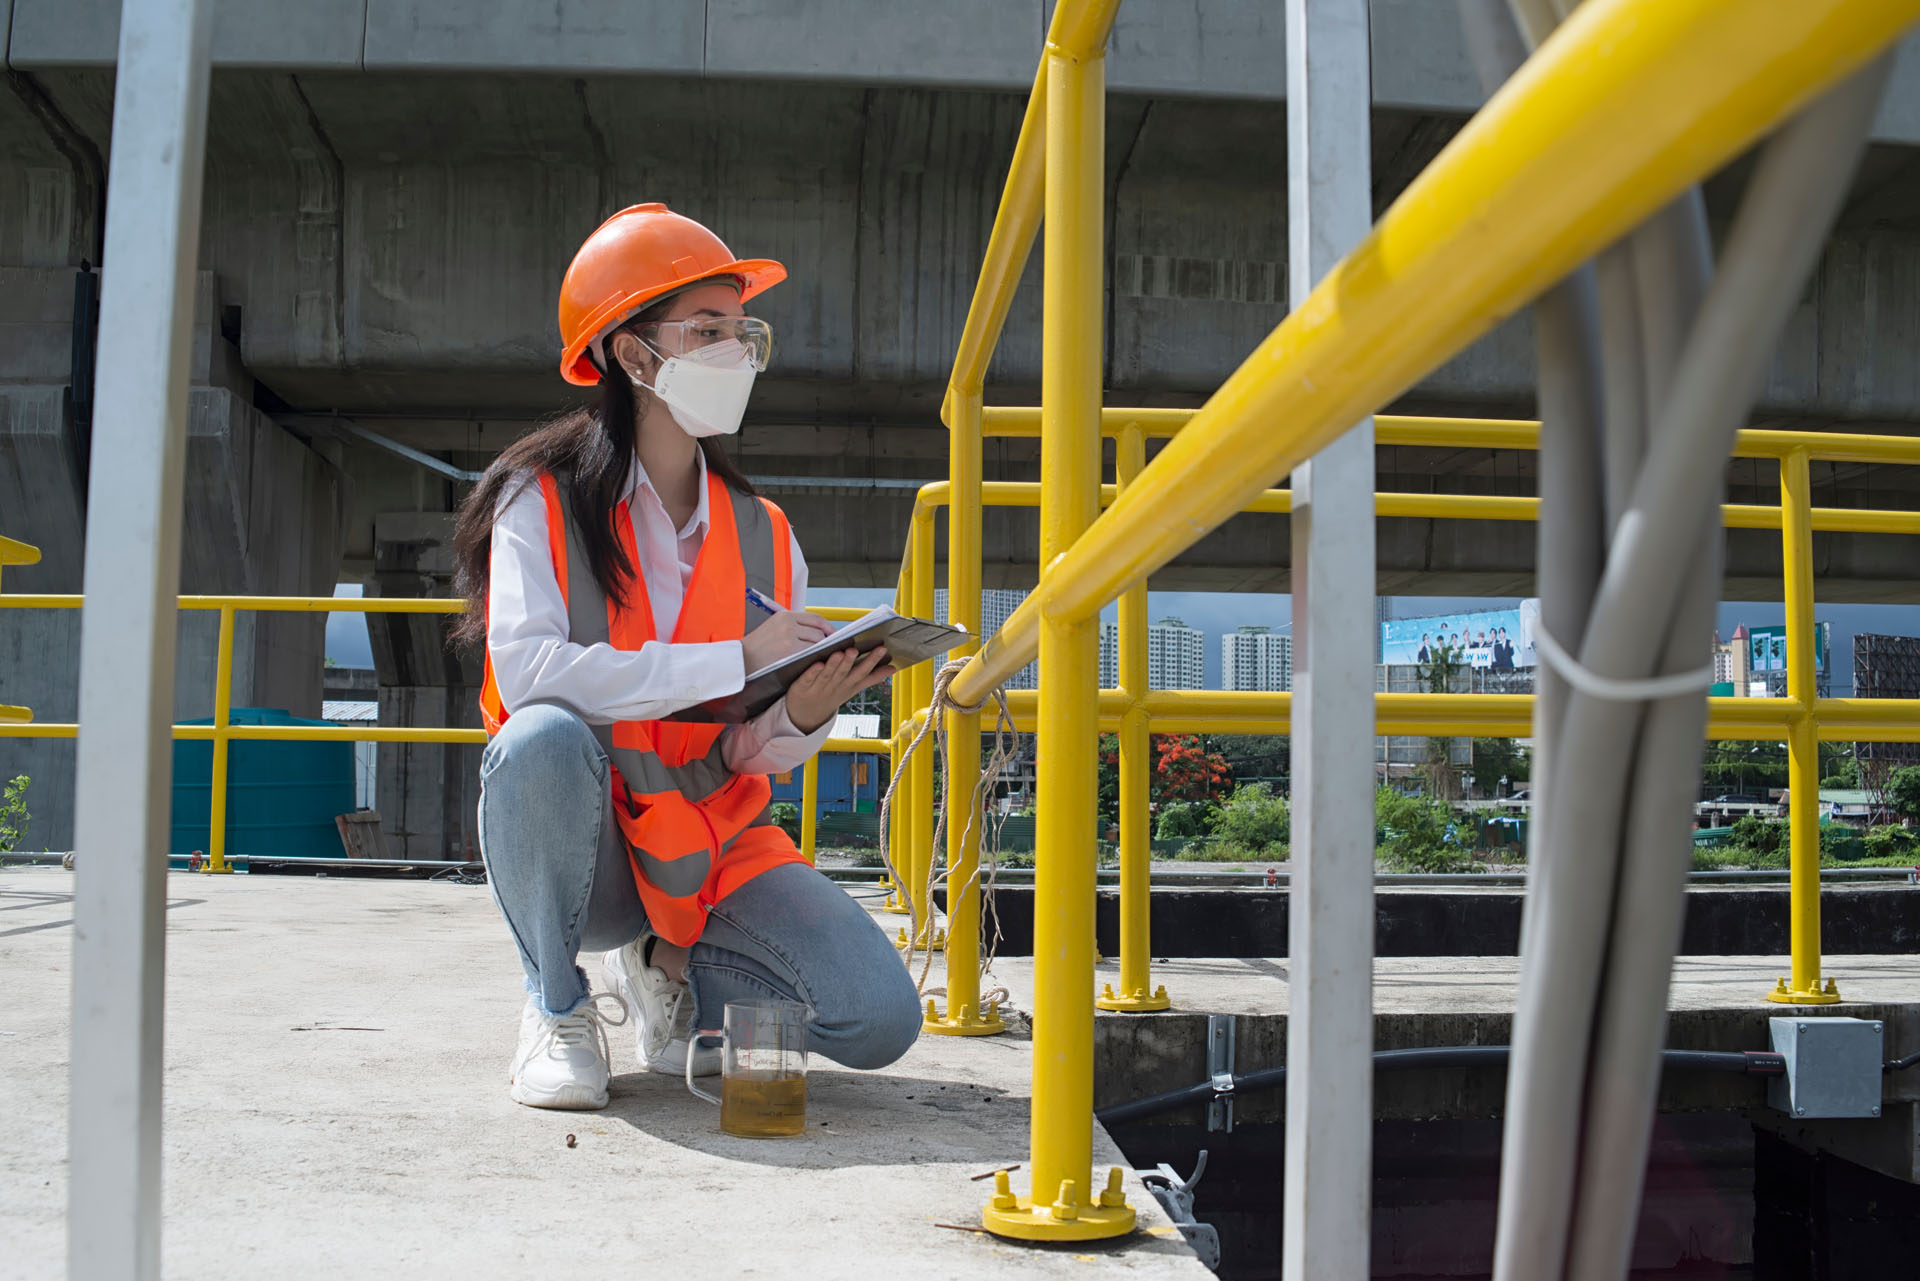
point(1137, 992)
point(1064, 1205)
point(964, 1017)
point(919, 825)
point(1803, 746)
point(222, 714)
point(809, 807)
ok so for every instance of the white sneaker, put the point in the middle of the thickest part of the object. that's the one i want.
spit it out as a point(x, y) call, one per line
point(662, 1016)
point(562, 1061)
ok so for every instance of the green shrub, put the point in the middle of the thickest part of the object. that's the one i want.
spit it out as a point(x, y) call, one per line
point(13, 813)
point(1897, 843)
point(1761, 836)
point(1256, 820)
point(1417, 834)
point(786, 815)
point(1185, 820)
point(1217, 850)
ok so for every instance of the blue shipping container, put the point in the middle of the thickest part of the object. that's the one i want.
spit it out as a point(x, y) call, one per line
point(281, 797)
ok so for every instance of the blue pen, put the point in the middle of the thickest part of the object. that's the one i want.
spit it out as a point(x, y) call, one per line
point(755, 598)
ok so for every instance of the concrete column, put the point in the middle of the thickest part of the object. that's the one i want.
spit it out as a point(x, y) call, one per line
point(428, 794)
point(263, 516)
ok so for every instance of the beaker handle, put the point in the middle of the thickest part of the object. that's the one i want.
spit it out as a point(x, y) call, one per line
point(693, 1043)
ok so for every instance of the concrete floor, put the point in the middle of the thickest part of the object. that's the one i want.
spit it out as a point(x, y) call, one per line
point(336, 1105)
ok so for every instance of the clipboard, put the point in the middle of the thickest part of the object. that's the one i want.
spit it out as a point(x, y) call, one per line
point(908, 641)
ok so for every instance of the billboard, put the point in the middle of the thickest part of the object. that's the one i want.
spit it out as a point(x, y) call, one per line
point(1499, 639)
point(1767, 648)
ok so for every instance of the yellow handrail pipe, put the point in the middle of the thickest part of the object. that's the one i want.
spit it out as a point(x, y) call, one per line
point(1569, 155)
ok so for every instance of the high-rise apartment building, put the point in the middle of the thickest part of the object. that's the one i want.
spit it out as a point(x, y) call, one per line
point(1256, 658)
point(996, 607)
point(1176, 656)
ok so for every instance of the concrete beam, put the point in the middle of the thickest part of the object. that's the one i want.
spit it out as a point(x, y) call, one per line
point(1223, 49)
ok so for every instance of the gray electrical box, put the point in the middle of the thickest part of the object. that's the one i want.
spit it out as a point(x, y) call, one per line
point(1833, 1067)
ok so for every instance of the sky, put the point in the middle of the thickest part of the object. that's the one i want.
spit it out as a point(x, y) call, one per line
point(1219, 612)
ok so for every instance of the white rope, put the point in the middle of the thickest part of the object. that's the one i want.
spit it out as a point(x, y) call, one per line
point(1614, 689)
point(917, 904)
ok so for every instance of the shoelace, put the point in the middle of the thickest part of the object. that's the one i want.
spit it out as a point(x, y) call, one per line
point(676, 1023)
point(584, 1024)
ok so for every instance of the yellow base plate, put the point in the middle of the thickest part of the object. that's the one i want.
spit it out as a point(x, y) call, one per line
point(1136, 1001)
point(1024, 1223)
point(1784, 995)
point(965, 1023)
point(939, 943)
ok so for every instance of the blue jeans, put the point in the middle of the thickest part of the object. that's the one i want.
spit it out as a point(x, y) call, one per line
point(560, 873)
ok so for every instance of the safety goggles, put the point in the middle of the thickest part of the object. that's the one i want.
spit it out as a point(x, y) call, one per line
point(691, 336)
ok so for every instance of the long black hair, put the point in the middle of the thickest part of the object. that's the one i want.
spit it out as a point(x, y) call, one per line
point(594, 448)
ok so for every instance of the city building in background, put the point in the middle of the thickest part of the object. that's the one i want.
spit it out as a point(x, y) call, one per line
point(1176, 656)
point(996, 607)
point(1732, 663)
point(1256, 658)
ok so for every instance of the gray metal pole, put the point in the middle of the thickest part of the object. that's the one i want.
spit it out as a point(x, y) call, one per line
point(127, 640)
point(1329, 1157)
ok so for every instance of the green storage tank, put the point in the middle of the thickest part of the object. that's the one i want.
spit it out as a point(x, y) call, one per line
point(281, 797)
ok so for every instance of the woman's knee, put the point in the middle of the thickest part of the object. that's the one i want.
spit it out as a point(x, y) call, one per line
point(888, 1024)
point(547, 744)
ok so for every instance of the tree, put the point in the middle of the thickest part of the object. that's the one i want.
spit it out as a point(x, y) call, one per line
point(1838, 768)
point(1106, 789)
point(1181, 770)
point(1185, 771)
point(1745, 767)
point(1495, 759)
point(1903, 792)
point(1256, 755)
point(1439, 675)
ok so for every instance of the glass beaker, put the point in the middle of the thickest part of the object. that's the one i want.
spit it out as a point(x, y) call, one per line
point(763, 1069)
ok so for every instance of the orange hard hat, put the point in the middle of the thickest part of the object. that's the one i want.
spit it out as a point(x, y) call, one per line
point(634, 257)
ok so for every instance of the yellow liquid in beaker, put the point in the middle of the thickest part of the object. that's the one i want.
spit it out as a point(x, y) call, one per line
point(764, 1104)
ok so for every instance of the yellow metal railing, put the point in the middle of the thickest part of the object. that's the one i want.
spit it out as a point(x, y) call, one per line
point(15, 552)
point(1627, 104)
point(223, 732)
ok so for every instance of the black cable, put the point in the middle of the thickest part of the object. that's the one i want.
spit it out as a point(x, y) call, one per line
point(1746, 1062)
point(1896, 1065)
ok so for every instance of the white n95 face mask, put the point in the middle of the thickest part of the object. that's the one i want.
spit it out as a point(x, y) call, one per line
point(706, 390)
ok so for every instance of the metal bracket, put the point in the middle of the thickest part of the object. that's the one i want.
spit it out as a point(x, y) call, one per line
point(1220, 1072)
point(1175, 1195)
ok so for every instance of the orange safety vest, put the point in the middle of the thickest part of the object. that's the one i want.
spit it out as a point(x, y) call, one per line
point(695, 830)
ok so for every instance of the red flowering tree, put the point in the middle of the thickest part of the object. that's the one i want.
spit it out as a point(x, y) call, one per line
point(1184, 771)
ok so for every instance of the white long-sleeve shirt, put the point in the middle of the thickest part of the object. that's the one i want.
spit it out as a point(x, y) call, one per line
point(535, 662)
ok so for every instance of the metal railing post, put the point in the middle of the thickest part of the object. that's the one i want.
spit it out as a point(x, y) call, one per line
point(222, 717)
point(1064, 1205)
point(1137, 992)
point(123, 762)
point(965, 819)
point(1329, 1141)
point(1803, 746)
point(809, 807)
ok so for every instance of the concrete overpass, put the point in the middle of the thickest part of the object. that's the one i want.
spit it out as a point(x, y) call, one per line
point(394, 187)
